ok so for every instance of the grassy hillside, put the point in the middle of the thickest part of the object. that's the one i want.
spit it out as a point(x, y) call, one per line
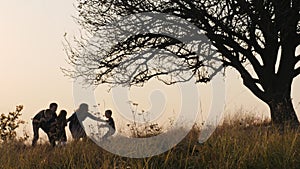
point(231, 146)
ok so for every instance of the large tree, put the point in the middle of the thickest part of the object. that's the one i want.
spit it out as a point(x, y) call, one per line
point(258, 38)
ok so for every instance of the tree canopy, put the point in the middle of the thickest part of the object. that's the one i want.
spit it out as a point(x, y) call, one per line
point(258, 38)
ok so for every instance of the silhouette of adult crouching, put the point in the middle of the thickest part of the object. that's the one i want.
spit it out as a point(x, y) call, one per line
point(44, 120)
point(76, 129)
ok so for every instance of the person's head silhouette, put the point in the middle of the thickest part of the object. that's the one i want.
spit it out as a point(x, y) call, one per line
point(83, 108)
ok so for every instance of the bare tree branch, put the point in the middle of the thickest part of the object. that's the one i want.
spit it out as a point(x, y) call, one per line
point(242, 33)
point(248, 80)
point(297, 72)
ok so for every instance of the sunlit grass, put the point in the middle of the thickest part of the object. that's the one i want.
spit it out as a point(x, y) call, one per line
point(233, 145)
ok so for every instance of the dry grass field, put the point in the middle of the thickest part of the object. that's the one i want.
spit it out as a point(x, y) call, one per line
point(232, 145)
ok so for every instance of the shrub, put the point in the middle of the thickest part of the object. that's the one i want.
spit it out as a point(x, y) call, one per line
point(9, 123)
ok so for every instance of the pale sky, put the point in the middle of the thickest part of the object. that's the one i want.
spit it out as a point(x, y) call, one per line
point(31, 54)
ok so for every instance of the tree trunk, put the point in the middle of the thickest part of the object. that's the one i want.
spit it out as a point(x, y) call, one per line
point(283, 112)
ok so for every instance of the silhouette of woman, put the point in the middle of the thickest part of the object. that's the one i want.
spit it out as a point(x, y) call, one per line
point(75, 126)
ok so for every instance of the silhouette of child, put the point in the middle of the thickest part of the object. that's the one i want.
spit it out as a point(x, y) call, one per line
point(57, 130)
point(48, 117)
point(61, 123)
point(110, 121)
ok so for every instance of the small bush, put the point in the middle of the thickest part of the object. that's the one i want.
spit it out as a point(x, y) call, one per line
point(9, 123)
